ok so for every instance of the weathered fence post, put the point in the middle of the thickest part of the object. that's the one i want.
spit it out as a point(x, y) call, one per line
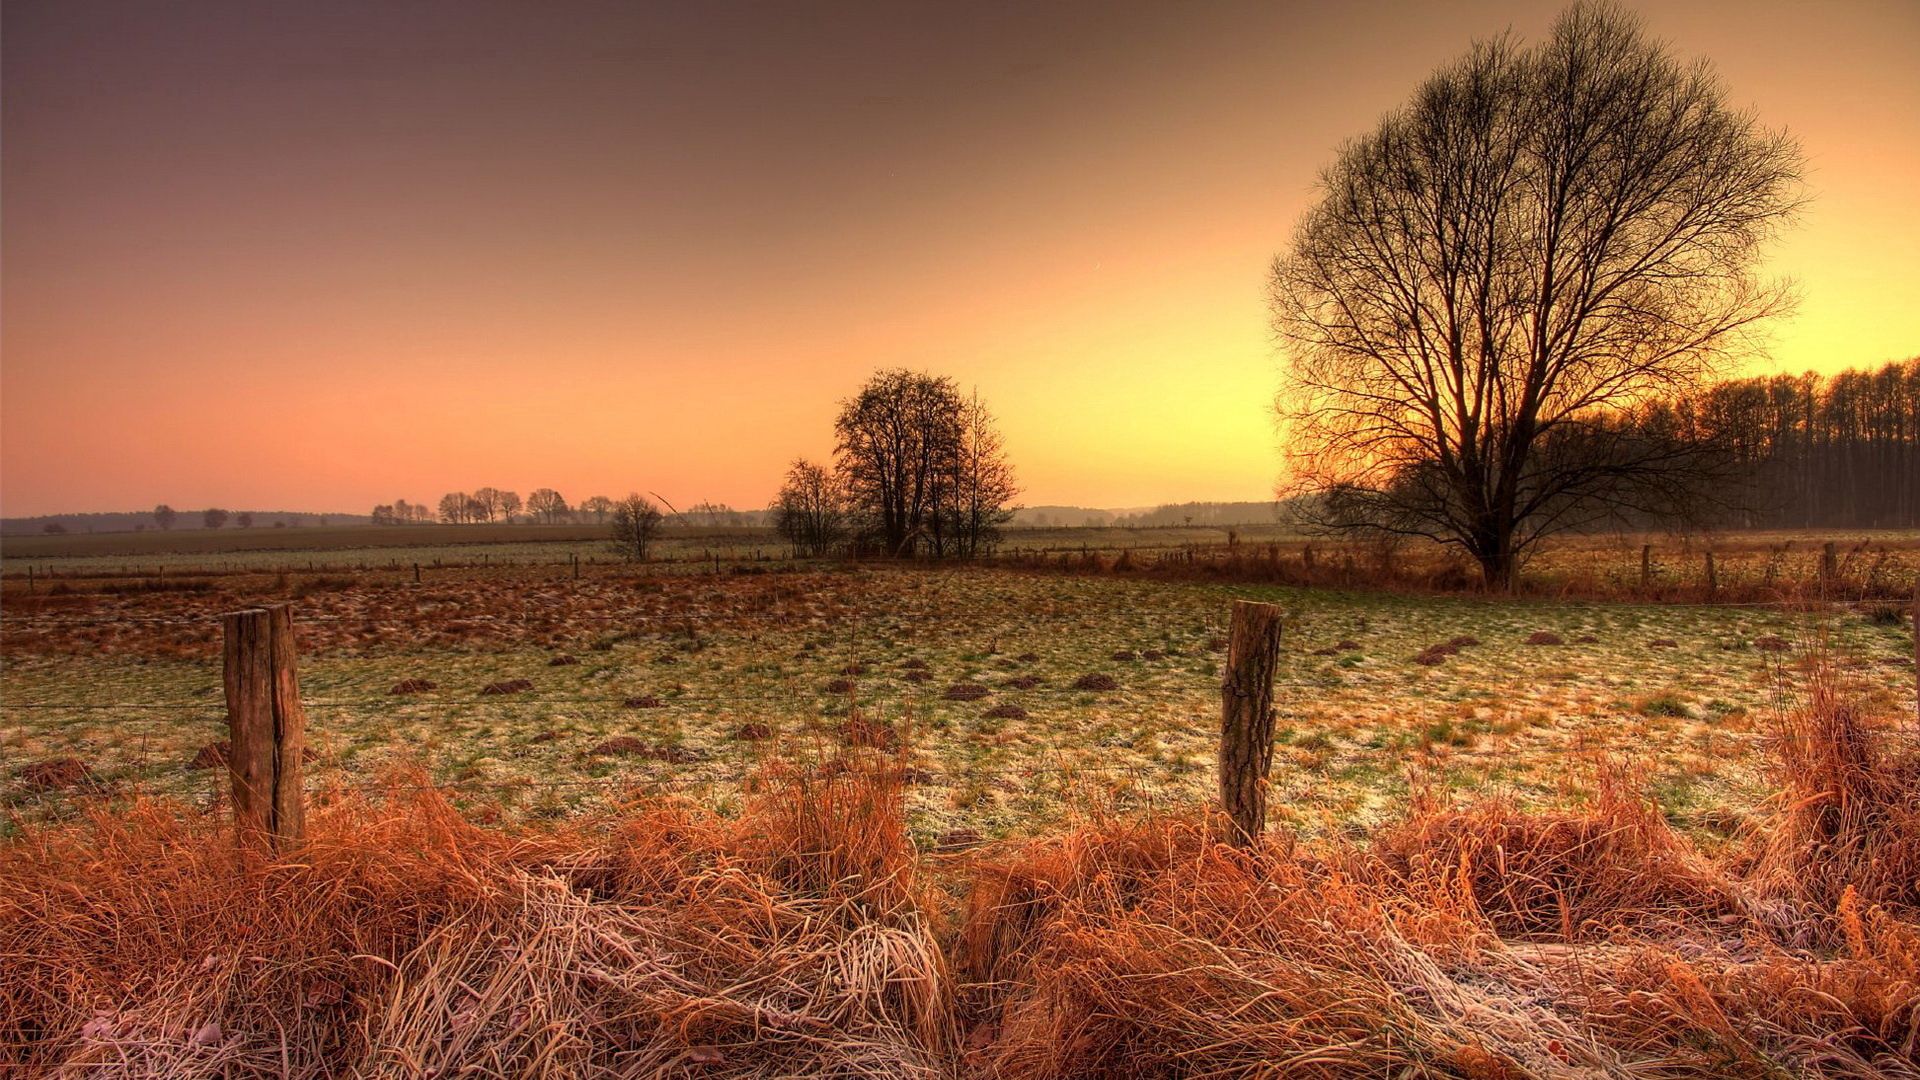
point(267, 727)
point(1646, 566)
point(1713, 579)
point(1829, 566)
point(1246, 718)
point(416, 573)
point(30, 585)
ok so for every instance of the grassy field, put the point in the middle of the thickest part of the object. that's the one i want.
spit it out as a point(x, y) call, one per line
point(767, 817)
point(1019, 694)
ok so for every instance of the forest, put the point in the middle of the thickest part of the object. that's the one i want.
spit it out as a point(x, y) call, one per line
point(1839, 450)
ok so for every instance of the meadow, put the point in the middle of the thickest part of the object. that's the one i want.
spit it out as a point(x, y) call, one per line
point(762, 816)
point(542, 689)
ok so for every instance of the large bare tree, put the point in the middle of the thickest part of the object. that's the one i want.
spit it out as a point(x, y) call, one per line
point(1499, 277)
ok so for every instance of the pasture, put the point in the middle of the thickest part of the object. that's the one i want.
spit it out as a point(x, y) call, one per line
point(1017, 695)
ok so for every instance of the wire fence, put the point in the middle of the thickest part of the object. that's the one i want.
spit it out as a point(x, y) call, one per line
point(1046, 763)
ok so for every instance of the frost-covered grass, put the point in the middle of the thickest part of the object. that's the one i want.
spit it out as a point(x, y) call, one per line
point(692, 670)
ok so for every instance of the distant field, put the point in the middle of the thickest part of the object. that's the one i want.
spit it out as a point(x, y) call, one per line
point(355, 547)
point(369, 546)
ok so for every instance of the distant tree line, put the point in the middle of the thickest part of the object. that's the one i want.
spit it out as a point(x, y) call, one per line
point(919, 470)
point(544, 506)
point(1808, 451)
point(1207, 514)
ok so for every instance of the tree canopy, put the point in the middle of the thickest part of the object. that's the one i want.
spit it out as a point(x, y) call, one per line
point(1539, 243)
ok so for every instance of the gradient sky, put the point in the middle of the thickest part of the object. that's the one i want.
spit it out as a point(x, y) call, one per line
point(317, 255)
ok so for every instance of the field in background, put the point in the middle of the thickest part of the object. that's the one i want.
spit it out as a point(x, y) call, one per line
point(1018, 692)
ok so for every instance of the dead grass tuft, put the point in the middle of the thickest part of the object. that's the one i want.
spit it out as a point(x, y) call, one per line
point(1847, 816)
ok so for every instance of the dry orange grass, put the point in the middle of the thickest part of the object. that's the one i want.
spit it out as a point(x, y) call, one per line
point(806, 937)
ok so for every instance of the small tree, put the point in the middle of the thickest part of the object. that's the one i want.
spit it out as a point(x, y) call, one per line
point(244, 520)
point(487, 502)
point(983, 483)
point(599, 506)
point(509, 505)
point(636, 523)
point(213, 517)
point(810, 513)
point(897, 440)
point(547, 505)
point(164, 516)
point(455, 506)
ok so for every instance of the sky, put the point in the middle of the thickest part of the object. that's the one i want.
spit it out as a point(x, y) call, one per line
point(316, 256)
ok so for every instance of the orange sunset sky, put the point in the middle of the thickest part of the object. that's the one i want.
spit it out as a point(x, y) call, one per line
point(318, 255)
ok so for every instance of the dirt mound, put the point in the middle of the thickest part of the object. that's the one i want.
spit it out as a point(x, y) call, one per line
point(752, 731)
point(642, 701)
point(508, 686)
point(965, 692)
point(53, 773)
point(1123, 655)
point(212, 756)
point(1095, 681)
point(1545, 637)
point(1770, 643)
point(859, 731)
point(412, 686)
point(563, 660)
point(1024, 682)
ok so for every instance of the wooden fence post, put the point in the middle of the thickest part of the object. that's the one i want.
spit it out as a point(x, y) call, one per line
point(1246, 718)
point(267, 727)
point(416, 573)
point(1829, 566)
point(1713, 579)
point(1646, 566)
